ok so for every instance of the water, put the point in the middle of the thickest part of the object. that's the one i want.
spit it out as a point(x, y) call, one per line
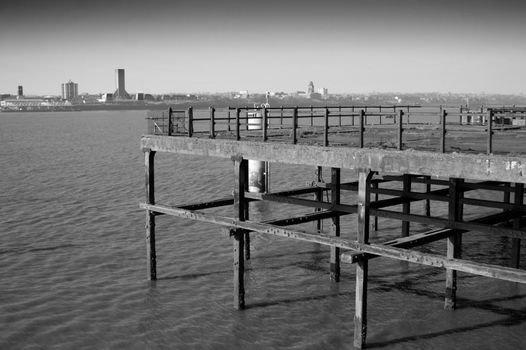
point(73, 269)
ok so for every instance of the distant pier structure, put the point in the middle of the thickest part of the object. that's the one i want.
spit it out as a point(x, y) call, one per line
point(418, 162)
point(120, 93)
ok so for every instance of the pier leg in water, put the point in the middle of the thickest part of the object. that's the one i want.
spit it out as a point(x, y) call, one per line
point(453, 242)
point(151, 256)
point(362, 266)
point(241, 177)
point(516, 242)
point(318, 196)
point(335, 228)
point(406, 206)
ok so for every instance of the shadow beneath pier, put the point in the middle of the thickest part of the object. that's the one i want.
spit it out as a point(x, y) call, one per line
point(195, 275)
point(514, 318)
point(518, 317)
point(297, 300)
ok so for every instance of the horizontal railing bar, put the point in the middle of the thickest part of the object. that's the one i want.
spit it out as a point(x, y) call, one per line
point(493, 204)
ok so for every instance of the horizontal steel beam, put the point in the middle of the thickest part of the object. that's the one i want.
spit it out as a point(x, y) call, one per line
point(438, 165)
point(487, 270)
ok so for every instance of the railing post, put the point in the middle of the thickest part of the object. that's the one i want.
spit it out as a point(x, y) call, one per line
point(362, 129)
point(294, 125)
point(246, 118)
point(212, 123)
point(326, 129)
point(352, 118)
point(170, 123)
point(238, 133)
point(443, 131)
point(228, 118)
point(281, 117)
point(490, 131)
point(400, 129)
point(264, 122)
point(151, 256)
point(190, 121)
point(340, 115)
point(311, 116)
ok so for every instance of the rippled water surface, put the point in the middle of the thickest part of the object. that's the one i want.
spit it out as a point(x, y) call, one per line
point(73, 268)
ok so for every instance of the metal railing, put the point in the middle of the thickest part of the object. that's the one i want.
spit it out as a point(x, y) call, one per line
point(302, 120)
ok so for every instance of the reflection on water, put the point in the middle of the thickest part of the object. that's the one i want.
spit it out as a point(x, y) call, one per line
point(73, 271)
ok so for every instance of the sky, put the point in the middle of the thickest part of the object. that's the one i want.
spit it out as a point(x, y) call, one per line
point(195, 46)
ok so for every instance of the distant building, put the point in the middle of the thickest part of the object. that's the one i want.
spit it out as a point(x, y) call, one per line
point(107, 97)
point(70, 91)
point(242, 94)
point(324, 92)
point(120, 93)
point(139, 96)
point(20, 91)
point(310, 88)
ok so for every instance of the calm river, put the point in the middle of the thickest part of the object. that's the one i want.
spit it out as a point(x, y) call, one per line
point(73, 259)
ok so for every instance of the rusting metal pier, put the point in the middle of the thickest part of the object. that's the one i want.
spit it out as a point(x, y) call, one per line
point(390, 178)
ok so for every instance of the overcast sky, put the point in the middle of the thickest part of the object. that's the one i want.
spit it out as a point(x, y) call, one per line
point(215, 46)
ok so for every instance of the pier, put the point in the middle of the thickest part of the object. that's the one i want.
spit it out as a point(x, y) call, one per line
point(401, 155)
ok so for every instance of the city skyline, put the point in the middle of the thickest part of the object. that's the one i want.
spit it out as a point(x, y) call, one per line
point(205, 46)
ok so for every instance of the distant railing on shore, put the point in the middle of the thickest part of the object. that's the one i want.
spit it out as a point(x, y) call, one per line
point(262, 120)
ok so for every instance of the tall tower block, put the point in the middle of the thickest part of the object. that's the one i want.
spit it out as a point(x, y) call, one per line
point(120, 93)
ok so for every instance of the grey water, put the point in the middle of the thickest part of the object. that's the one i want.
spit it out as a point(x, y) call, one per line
point(73, 259)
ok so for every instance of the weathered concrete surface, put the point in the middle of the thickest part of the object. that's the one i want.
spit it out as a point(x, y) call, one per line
point(467, 166)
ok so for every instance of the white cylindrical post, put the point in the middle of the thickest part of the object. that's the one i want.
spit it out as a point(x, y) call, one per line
point(257, 170)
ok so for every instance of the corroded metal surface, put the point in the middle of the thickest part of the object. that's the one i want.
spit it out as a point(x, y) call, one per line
point(467, 166)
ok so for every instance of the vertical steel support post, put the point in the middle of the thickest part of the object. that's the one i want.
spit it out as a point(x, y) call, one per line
point(318, 196)
point(406, 206)
point(151, 256)
point(516, 242)
point(453, 241)
point(335, 228)
point(375, 186)
point(326, 129)
point(241, 179)
point(427, 205)
point(362, 265)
